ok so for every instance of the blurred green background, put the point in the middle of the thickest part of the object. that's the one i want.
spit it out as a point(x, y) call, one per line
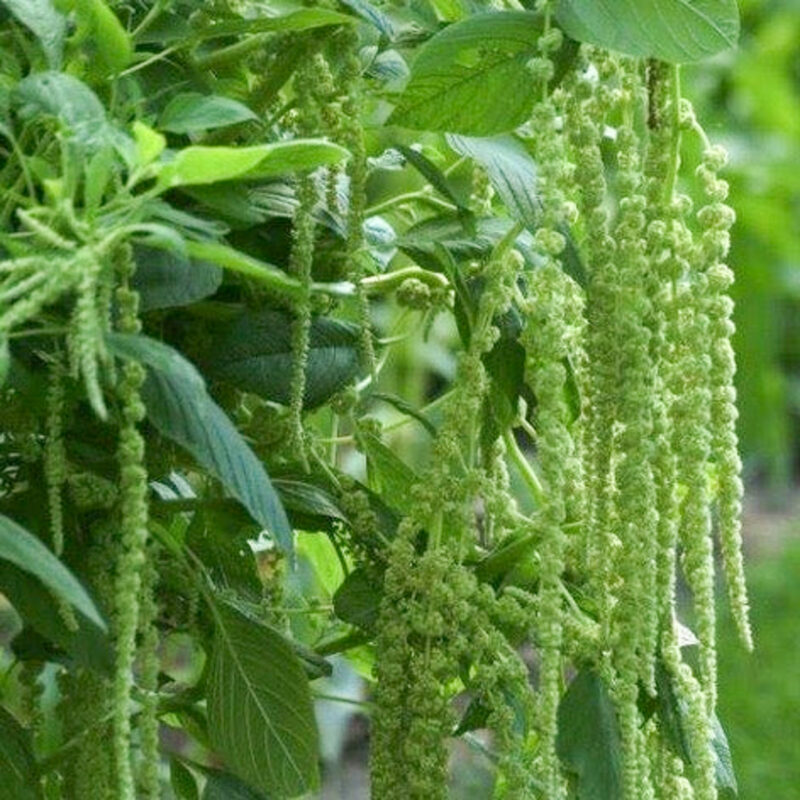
point(749, 99)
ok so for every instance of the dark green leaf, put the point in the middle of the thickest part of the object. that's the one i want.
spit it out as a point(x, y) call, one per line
point(18, 774)
point(588, 742)
point(672, 30)
point(192, 112)
point(673, 719)
point(224, 786)
point(42, 19)
point(218, 535)
point(260, 713)
point(28, 553)
point(164, 279)
point(308, 504)
point(255, 355)
point(511, 170)
point(182, 781)
point(432, 174)
point(89, 645)
point(180, 408)
point(357, 601)
point(472, 77)
point(388, 474)
point(404, 407)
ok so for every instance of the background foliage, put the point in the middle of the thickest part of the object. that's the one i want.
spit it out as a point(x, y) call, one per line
point(748, 98)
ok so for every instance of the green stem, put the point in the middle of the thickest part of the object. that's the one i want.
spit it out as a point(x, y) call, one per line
point(530, 477)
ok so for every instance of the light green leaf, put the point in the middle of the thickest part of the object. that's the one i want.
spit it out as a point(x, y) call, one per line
point(45, 22)
point(236, 261)
point(588, 742)
point(260, 714)
point(672, 30)
point(723, 763)
point(29, 553)
point(181, 409)
point(255, 355)
point(472, 77)
point(193, 166)
point(71, 101)
point(149, 143)
point(192, 112)
point(19, 775)
point(98, 25)
point(511, 170)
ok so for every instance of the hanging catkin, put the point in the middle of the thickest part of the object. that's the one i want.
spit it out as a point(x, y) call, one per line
point(133, 529)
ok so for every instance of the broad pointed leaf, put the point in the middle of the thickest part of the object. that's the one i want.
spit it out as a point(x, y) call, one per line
point(588, 742)
point(181, 409)
point(672, 30)
point(29, 553)
point(472, 77)
point(255, 355)
point(260, 714)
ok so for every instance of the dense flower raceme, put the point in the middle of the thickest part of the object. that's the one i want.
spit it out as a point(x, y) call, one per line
point(631, 466)
point(626, 371)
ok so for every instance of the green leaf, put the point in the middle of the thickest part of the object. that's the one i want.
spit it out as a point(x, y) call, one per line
point(309, 507)
point(432, 174)
point(182, 781)
point(192, 112)
point(5, 360)
point(71, 101)
point(110, 44)
point(164, 279)
point(89, 645)
point(357, 601)
point(149, 143)
point(388, 474)
point(672, 30)
point(588, 741)
point(301, 20)
point(261, 718)
point(723, 763)
point(44, 22)
point(255, 355)
point(472, 77)
point(404, 407)
point(218, 535)
point(227, 257)
point(198, 165)
point(511, 170)
point(28, 553)
point(180, 408)
point(19, 776)
point(224, 786)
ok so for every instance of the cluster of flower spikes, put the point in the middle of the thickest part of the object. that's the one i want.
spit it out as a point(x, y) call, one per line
point(436, 620)
point(30, 283)
point(657, 405)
